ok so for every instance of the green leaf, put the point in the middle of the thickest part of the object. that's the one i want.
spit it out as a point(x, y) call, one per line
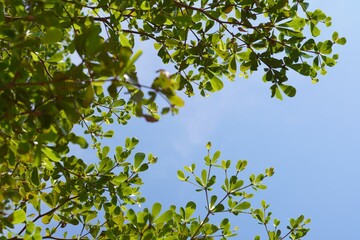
point(295, 23)
point(288, 90)
point(34, 56)
point(329, 61)
point(79, 140)
point(181, 175)
point(51, 154)
point(241, 165)
point(309, 44)
point(341, 41)
point(326, 47)
point(275, 92)
point(143, 167)
point(302, 68)
point(47, 164)
point(232, 64)
point(105, 151)
point(183, 21)
point(269, 172)
point(112, 90)
point(236, 186)
point(52, 35)
point(176, 101)
point(204, 177)
point(166, 216)
point(138, 159)
point(335, 36)
point(156, 208)
point(216, 83)
point(243, 206)
point(219, 208)
point(119, 179)
point(131, 216)
point(318, 15)
point(225, 164)
point(90, 168)
point(18, 216)
point(208, 146)
point(56, 58)
point(124, 41)
point(212, 201)
point(131, 62)
point(109, 134)
point(215, 157)
point(47, 219)
point(89, 95)
point(90, 215)
point(315, 31)
point(145, 5)
point(35, 177)
point(189, 210)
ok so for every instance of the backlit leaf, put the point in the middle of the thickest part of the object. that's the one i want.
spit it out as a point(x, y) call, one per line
point(166, 216)
point(216, 83)
point(290, 91)
point(51, 154)
point(18, 216)
point(52, 35)
point(138, 159)
point(156, 208)
point(176, 100)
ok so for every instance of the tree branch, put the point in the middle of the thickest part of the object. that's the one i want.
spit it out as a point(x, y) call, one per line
point(48, 212)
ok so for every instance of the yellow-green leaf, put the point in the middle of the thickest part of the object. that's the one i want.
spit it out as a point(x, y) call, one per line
point(216, 83)
point(341, 41)
point(176, 100)
point(51, 154)
point(315, 31)
point(19, 216)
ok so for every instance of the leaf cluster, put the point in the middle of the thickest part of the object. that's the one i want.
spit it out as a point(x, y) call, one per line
point(70, 64)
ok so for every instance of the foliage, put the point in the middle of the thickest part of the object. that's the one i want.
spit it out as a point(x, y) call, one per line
point(44, 93)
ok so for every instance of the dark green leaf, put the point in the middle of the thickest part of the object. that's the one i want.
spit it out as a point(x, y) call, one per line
point(232, 65)
point(35, 177)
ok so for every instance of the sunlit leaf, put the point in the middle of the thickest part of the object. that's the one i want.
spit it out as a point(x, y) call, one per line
point(18, 216)
point(166, 216)
point(51, 154)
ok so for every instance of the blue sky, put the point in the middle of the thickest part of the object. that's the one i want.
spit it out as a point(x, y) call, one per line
point(312, 140)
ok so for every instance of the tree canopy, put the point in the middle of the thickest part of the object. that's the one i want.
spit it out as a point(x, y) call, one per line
point(68, 63)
